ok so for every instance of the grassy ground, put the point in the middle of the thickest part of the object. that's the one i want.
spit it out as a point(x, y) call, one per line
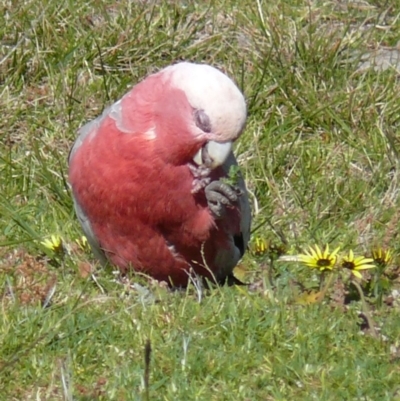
point(321, 158)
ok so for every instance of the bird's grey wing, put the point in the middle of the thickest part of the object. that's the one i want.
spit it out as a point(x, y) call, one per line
point(244, 204)
point(227, 259)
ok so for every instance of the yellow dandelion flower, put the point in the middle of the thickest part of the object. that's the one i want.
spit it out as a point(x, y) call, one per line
point(260, 247)
point(318, 259)
point(54, 243)
point(82, 242)
point(355, 264)
point(382, 257)
point(263, 247)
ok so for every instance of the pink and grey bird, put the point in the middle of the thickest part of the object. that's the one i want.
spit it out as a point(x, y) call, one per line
point(149, 177)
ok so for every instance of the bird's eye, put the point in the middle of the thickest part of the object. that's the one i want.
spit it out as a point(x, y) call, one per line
point(202, 120)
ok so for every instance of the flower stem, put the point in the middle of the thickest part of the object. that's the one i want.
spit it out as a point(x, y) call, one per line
point(324, 289)
point(366, 311)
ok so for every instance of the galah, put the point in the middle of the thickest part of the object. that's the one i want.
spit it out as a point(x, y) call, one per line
point(152, 178)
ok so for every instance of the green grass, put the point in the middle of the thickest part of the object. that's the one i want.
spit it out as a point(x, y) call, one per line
point(320, 155)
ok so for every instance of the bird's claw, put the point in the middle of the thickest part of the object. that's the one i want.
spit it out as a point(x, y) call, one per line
point(219, 195)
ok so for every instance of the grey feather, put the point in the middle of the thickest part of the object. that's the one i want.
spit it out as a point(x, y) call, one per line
point(228, 258)
point(87, 229)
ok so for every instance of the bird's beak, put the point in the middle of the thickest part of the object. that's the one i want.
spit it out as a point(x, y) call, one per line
point(213, 154)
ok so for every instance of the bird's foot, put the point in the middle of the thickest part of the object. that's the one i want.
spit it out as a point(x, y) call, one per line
point(201, 177)
point(219, 195)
